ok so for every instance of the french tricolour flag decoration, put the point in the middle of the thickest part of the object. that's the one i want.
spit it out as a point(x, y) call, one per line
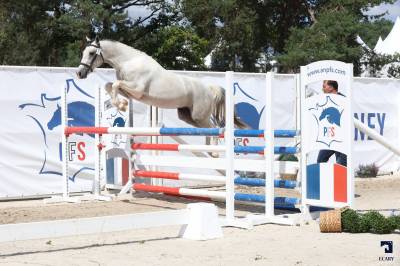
point(326, 182)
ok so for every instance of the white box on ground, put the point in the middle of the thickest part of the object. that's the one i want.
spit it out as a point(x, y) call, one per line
point(203, 222)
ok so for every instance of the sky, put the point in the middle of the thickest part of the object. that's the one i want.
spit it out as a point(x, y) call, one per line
point(138, 11)
point(393, 10)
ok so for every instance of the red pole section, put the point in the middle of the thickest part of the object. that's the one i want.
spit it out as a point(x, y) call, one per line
point(87, 130)
point(154, 174)
point(156, 189)
point(158, 147)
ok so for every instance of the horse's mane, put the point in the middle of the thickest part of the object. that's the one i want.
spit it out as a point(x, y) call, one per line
point(125, 45)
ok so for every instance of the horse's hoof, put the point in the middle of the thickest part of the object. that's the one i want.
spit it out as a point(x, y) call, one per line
point(214, 154)
point(123, 104)
point(122, 107)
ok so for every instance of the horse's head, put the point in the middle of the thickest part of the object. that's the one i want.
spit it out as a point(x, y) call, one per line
point(92, 57)
point(55, 119)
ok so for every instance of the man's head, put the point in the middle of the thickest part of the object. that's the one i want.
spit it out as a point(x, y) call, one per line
point(330, 86)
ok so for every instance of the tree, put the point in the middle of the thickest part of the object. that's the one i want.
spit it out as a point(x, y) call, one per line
point(243, 35)
point(177, 47)
point(24, 36)
point(230, 28)
point(331, 35)
point(52, 32)
point(370, 31)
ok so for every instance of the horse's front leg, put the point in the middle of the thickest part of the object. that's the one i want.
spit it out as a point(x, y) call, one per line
point(113, 92)
point(128, 89)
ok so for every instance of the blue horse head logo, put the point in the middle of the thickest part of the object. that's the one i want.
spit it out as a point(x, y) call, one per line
point(332, 115)
point(246, 110)
point(80, 114)
point(249, 114)
point(119, 122)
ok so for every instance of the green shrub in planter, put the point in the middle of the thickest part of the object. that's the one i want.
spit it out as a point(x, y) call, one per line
point(287, 157)
point(378, 223)
point(395, 221)
point(370, 222)
point(350, 221)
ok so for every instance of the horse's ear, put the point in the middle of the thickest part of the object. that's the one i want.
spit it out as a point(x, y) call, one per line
point(88, 39)
point(97, 39)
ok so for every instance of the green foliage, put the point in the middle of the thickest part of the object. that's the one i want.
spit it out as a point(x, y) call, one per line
point(372, 222)
point(351, 221)
point(330, 38)
point(379, 223)
point(180, 48)
point(395, 221)
point(376, 64)
point(51, 33)
point(288, 157)
point(370, 170)
point(244, 35)
point(370, 31)
point(332, 35)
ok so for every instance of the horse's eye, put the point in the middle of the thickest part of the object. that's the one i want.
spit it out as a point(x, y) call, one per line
point(91, 53)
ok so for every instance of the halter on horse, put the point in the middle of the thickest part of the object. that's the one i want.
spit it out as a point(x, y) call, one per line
point(140, 77)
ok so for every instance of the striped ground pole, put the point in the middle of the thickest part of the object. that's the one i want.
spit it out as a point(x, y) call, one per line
point(285, 202)
point(165, 131)
point(255, 182)
point(211, 148)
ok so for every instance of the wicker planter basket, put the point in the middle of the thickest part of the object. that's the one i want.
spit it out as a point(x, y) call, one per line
point(331, 221)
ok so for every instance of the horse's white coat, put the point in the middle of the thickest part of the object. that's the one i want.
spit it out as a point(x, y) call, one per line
point(140, 77)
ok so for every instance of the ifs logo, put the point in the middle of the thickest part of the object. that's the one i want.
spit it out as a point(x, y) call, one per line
point(388, 248)
point(80, 113)
point(328, 118)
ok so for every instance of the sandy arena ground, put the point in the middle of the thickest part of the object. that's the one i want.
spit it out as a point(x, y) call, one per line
point(264, 245)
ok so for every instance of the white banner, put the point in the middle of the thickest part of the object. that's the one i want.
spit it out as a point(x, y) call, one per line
point(31, 136)
point(376, 104)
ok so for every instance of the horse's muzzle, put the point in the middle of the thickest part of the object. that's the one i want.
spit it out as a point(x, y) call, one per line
point(82, 72)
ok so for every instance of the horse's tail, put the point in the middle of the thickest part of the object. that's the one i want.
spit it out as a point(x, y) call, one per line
point(218, 114)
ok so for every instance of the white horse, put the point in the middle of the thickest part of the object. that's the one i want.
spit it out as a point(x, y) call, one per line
point(140, 77)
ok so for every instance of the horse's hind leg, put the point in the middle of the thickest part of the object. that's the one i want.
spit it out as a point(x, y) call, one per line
point(202, 116)
point(185, 115)
point(210, 140)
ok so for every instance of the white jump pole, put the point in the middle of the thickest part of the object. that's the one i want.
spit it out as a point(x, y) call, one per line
point(99, 150)
point(96, 191)
point(229, 145)
point(376, 136)
point(64, 144)
point(98, 141)
point(64, 155)
point(269, 148)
